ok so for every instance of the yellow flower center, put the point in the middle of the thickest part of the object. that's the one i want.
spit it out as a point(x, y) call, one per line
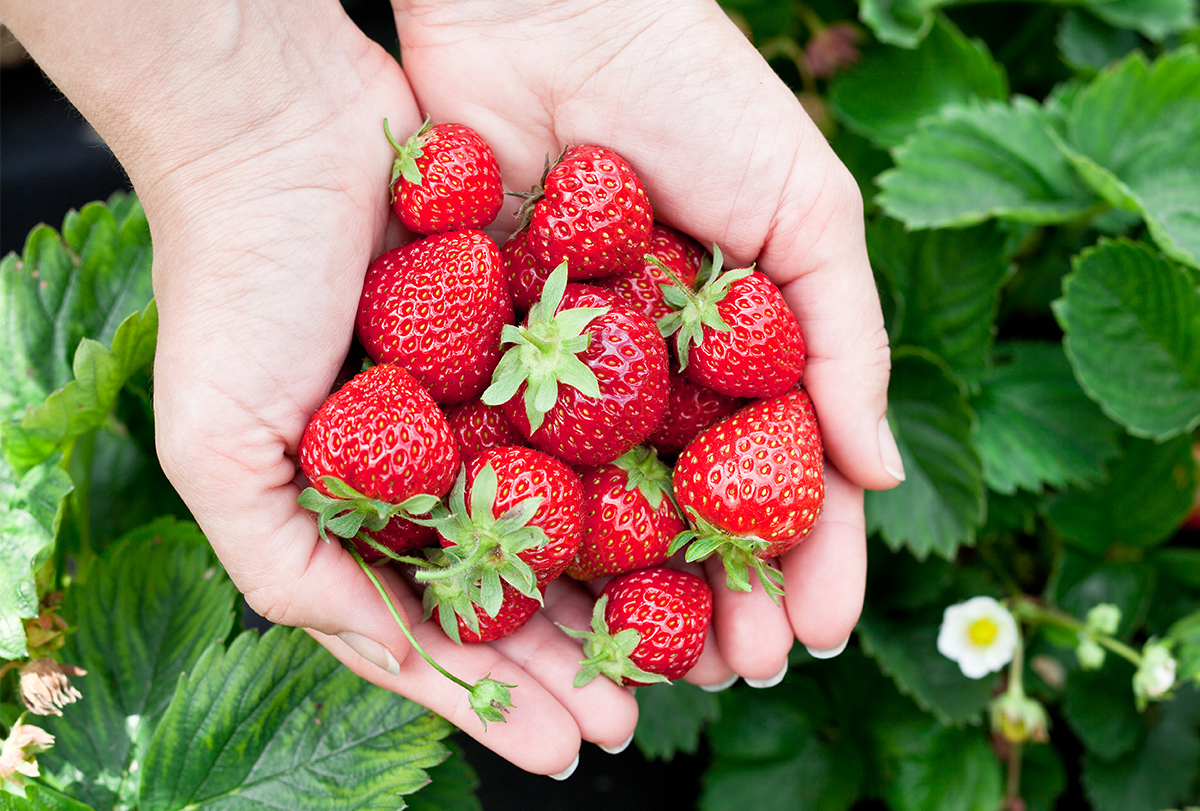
point(983, 631)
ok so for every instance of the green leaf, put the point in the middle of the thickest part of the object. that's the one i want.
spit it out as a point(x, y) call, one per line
point(672, 718)
point(452, 787)
point(1131, 135)
point(1132, 324)
point(277, 721)
point(82, 283)
point(40, 798)
point(1156, 19)
point(769, 754)
point(143, 617)
point(941, 504)
point(985, 159)
point(930, 767)
point(1043, 778)
point(1158, 774)
point(1036, 426)
point(1143, 500)
point(1098, 706)
point(905, 646)
point(945, 286)
point(903, 23)
point(30, 513)
point(1081, 581)
point(892, 88)
point(83, 404)
point(1087, 43)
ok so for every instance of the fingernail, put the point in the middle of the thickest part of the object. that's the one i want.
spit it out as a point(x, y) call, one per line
point(771, 681)
point(619, 748)
point(827, 654)
point(721, 685)
point(567, 772)
point(889, 454)
point(372, 651)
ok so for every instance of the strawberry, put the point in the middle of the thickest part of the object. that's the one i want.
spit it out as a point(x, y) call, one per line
point(478, 426)
point(513, 515)
point(445, 178)
point(462, 618)
point(377, 452)
point(640, 287)
point(590, 211)
point(753, 486)
point(587, 377)
point(629, 516)
point(735, 334)
point(524, 275)
point(436, 307)
point(690, 409)
point(648, 626)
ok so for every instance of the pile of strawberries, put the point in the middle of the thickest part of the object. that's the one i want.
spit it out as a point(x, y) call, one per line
point(585, 400)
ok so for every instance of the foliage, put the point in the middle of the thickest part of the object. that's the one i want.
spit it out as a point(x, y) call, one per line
point(1031, 174)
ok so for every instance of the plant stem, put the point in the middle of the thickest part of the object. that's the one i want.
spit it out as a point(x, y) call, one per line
point(1033, 612)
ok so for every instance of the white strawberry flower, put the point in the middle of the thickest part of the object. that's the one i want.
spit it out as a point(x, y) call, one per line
point(979, 634)
point(1156, 675)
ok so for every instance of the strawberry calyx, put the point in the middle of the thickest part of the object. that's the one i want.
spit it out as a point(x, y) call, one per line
point(483, 550)
point(490, 699)
point(407, 153)
point(531, 198)
point(345, 512)
point(696, 309)
point(646, 474)
point(607, 653)
point(739, 554)
point(545, 352)
point(450, 597)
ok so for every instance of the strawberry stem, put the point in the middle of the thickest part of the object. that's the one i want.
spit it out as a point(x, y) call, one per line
point(490, 699)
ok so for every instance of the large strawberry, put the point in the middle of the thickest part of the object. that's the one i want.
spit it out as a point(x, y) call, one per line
point(629, 516)
point(437, 307)
point(445, 178)
point(377, 451)
point(735, 334)
point(590, 211)
point(640, 287)
point(648, 626)
point(753, 486)
point(513, 515)
point(690, 409)
point(586, 379)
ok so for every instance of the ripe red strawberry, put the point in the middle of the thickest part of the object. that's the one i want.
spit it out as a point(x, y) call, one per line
point(640, 287)
point(752, 486)
point(524, 275)
point(478, 426)
point(445, 178)
point(436, 307)
point(587, 377)
point(590, 211)
point(735, 334)
point(449, 601)
point(648, 626)
point(690, 409)
point(512, 516)
point(629, 516)
point(377, 450)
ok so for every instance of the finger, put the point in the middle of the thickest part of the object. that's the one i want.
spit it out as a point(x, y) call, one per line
point(605, 713)
point(752, 630)
point(539, 735)
point(825, 575)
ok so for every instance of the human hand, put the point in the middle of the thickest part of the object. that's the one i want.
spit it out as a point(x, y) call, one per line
point(728, 156)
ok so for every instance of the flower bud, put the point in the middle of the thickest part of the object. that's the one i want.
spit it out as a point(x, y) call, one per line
point(1156, 675)
point(1104, 618)
point(1090, 653)
point(1019, 718)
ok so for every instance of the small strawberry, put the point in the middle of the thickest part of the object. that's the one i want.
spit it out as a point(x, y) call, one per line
point(478, 426)
point(587, 377)
point(648, 626)
point(735, 334)
point(456, 606)
point(640, 287)
point(690, 409)
point(512, 516)
point(629, 516)
point(753, 486)
point(376, 452)
point(445, 178)
point(436, 307)
point(590, 211)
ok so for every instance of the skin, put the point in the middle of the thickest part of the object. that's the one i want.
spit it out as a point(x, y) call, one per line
point(257, 150)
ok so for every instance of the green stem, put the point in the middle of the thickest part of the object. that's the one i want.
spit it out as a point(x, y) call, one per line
point(1033, 612)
